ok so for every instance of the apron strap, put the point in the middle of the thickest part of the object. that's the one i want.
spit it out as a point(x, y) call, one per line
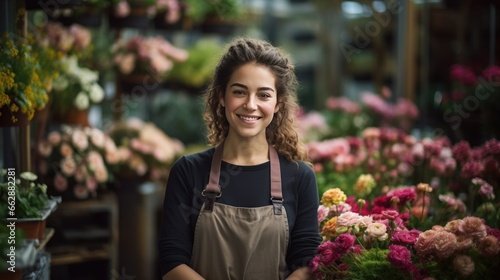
point(276, 195)
point(213, 189)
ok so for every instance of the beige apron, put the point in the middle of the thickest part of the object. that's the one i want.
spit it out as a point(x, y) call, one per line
point(241, 243)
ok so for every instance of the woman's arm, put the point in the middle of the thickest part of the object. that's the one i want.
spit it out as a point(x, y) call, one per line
point(299, 274)
point(184, 272)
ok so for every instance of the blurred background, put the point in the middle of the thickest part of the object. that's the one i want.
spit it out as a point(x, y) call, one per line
point(111, 94)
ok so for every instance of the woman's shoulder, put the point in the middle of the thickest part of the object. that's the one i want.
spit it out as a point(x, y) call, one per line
point(298, 167)
point(195, 159)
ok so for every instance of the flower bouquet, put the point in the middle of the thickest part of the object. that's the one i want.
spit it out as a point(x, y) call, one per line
point(143, 150)
point(75, 161)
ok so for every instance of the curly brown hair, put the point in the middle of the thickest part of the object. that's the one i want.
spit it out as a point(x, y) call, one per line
point(281, 132)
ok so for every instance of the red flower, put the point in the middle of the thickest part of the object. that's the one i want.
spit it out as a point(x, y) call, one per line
point(405, 237)
point(472, 169)
point(461, 151)
point(400, 257)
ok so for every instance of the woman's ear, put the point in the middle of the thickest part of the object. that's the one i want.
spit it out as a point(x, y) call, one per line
point(221, 102)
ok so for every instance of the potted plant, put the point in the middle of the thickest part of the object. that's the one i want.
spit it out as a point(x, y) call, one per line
point(28, 202)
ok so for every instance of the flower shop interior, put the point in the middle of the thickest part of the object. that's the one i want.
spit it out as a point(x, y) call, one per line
point(399, 112)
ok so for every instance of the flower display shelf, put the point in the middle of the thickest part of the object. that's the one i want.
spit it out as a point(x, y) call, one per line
point(34, 228)
point(138, 18)
point(73, 117)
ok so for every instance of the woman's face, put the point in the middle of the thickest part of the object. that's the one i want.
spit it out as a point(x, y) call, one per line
point(250, 101)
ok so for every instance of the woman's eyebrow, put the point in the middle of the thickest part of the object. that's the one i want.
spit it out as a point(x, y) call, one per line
point(245, 87)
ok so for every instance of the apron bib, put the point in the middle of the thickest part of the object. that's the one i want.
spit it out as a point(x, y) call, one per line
point(241, 243)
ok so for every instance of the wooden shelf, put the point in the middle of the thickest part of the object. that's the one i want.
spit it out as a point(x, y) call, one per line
point(47, 235)
point(77, 254)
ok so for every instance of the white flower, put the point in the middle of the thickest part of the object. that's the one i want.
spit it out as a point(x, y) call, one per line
point(60, 84)
point(81, 101)
point(96, 93)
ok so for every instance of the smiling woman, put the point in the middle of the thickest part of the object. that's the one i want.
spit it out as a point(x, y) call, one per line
point(250, 211)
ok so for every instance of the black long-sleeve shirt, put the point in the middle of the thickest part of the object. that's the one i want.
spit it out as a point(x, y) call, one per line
point(242, 186)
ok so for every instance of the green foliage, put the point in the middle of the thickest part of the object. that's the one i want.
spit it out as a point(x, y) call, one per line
point(31, 197)
point(223, 9)
point(198, 69)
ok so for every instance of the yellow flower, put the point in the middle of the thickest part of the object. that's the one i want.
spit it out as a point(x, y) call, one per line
point(333, 197)
point(364, 185)
point(329, 228)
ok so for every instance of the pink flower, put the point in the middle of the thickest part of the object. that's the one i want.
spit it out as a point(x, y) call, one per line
point(400, 257)
point(91, 184)
point(60, 183)
point(344, 242)
point(492, 73)
point(464, 265)
point(82, 36)
point(44, 148)
point(328, 254)
point(491, 147)
point(463, 75)
point(79, 139)
point(68, 166)
point(343, 104)
point(472, 169)
point(406, 237)
point(390, 214)
point(452, 203)
point(322, 213)
point(473, 227)
point(80, 192)
point(348, 219)
point(66, 150)
point(461, 151)
point(122, 9)
point(404, 194)
point(485, 189)
point(377, 230)
point(488, 246)
point(54, 138)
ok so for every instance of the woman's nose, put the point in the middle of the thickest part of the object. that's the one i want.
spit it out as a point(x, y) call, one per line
point(250, 103)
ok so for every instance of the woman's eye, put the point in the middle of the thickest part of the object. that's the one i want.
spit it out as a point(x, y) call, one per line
point(264, 95)
point(238, 92)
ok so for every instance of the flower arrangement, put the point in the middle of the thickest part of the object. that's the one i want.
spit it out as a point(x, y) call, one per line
point(21, 88)
point(153, 56)
point(75, 161)
point(383, 240)
point(143, 150)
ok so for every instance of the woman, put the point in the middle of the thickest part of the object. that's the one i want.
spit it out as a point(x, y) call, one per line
point(247, 208)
